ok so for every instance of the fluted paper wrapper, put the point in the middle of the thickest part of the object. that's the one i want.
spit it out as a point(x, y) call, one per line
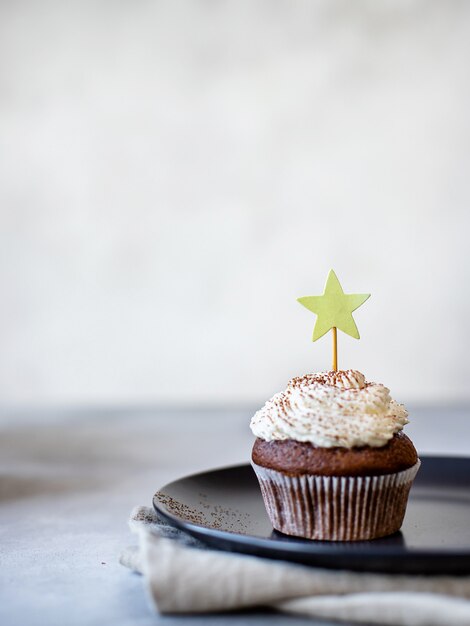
point(336, 508)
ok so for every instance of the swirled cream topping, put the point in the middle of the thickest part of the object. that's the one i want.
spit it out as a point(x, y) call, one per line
point(331, 409)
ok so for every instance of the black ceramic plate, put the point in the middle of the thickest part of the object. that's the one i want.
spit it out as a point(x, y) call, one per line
point(224, 509)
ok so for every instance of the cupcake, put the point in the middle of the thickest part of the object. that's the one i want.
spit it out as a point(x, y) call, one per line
point(331, 459)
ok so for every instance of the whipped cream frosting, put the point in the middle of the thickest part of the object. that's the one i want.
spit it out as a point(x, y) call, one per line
point(331, 409)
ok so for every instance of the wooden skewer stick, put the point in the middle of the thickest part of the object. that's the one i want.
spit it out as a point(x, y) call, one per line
point(335, 349)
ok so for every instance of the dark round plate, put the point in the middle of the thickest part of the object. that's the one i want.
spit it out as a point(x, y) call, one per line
point(224, 509)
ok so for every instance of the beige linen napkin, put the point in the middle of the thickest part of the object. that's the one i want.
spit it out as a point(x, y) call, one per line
point(183, 576)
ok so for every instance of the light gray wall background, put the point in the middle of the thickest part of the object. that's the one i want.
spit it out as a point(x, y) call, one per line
point(174, 174)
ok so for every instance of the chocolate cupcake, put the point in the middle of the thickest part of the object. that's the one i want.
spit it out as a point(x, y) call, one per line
point(332, 460)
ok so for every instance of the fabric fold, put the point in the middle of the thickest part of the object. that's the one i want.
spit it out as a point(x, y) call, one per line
point(183, 576)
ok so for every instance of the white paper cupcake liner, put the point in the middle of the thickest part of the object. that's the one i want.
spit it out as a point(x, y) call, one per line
point(336, 508)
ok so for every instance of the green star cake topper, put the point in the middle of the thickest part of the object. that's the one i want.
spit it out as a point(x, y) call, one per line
point(334, 310)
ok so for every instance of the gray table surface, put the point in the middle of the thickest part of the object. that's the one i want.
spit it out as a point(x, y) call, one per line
point(69, 479)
